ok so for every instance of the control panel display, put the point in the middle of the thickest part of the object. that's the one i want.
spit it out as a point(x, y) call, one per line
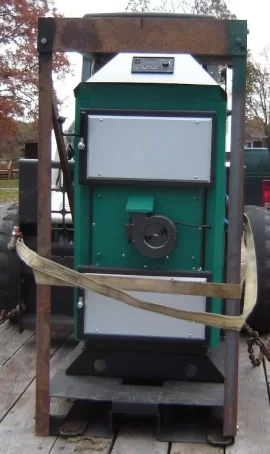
point(158, 65)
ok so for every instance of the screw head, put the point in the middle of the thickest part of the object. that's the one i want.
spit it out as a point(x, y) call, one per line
point(81, 146)
point(100, 365)
point(123, 255)
point(43, 40)
point(145, 266)
point(80, 304)
point(195, 178)
point(238, 41)
point(99, 174)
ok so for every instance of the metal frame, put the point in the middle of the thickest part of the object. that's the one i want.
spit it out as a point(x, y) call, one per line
point(209, 40)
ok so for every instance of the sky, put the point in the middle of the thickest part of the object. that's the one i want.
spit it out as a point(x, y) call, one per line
point(256, 13)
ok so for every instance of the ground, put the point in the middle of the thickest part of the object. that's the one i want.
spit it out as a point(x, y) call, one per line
point(17, 407)
point(9, 191)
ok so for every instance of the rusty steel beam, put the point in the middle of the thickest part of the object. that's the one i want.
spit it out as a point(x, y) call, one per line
point(44, 246)
point(139, 33)
point(62, 156)
point(235, 230)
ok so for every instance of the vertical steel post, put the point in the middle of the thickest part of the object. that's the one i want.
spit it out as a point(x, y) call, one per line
point(62, 156)
point(44, 245)
point(235, 227)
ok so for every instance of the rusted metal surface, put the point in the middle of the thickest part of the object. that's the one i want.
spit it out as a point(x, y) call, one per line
point(110, 34)
point(264, 347)
point(63, 156)
point(235, 229)
point(44, 245)
point(61, 323)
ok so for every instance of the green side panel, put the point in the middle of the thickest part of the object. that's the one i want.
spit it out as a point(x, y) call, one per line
point(101, 214)
point(82, 213)
point(257, 169)
point(140, 204)
point(215, 216)
point(110, 248)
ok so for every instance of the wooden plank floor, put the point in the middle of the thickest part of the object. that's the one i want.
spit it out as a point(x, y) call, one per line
point(17, 405)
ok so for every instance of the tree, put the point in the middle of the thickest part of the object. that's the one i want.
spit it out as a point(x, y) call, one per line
point(217, 8)
point(258, 93)
point(19, 62)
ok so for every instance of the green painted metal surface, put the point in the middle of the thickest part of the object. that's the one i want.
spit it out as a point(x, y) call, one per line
point(100, 213)
point(140, 204)
point(111, 248)
point(257, 161)
point(237, 36)
point(257, 169)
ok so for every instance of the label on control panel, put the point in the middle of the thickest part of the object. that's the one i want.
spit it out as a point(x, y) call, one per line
point(153, 65)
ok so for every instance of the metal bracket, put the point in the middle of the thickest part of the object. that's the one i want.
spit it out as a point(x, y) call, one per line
point(46, 34)
point(215, 438)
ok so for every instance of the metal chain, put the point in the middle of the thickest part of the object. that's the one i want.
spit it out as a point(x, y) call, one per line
point(255, 339)
point(4, 315)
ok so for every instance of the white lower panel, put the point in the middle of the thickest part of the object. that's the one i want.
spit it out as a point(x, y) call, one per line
point(108, 316)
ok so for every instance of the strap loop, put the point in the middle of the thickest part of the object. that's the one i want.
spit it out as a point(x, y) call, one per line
point(50, 273)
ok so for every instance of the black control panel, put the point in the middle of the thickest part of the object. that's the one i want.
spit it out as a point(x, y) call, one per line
point(156, 65)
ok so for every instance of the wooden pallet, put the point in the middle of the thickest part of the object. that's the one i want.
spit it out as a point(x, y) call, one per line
point(17, 408)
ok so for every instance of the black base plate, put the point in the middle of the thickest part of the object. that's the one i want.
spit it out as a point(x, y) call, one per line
point(103, 389)
point(146, 365)
point(171, 424)
point(182, 411)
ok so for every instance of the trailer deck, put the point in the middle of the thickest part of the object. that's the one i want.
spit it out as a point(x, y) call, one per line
point(17, 407)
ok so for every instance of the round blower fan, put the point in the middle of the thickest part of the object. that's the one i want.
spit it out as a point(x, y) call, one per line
point(154, 236)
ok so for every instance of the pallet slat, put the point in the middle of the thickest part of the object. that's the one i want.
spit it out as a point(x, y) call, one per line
point(11, 341)
point(18, 372)
point(194, 448)
point(83, 444)
point(17, 430)
point(253, 409)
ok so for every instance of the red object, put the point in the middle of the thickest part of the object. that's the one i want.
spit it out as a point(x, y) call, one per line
point(266, 193)
point(16, 232)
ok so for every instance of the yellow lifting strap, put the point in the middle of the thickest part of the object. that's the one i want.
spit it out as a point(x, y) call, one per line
point(48, 272)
